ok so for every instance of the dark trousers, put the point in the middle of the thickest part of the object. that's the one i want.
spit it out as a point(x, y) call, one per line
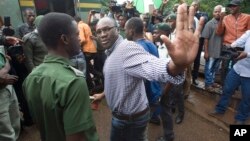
point(90, 69)
point(227, 63)
point(20, 70)
point(98, 65)
point(196, 66)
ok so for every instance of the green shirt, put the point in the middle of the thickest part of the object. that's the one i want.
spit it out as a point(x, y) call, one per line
point(34, 50)
point(58, 98)
point(2, 57)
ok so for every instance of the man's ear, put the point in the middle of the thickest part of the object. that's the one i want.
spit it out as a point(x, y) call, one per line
point(132, 31)
point(64, 39)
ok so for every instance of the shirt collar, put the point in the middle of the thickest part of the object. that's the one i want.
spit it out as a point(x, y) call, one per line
point(118, 41)
point(215, 21)
point(51, 58)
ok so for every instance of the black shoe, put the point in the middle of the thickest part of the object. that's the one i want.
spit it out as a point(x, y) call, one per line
point(215, 113)
point(155, 121)
point(179, 119)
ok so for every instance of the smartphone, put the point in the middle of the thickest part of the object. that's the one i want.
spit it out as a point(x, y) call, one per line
point(223, 9)
point(6, 21)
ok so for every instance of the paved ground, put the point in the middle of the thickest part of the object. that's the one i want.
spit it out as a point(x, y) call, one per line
point(194, 128)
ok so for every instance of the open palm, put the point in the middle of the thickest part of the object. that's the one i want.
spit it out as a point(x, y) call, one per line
point(184, 48)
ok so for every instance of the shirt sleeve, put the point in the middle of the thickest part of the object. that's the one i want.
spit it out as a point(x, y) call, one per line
point(77, 115)
point(206, 32)
point(248, 55)
point(139, 63)
point(2, 61)
point(242, 40)
point(28, 52)
point(81, 33)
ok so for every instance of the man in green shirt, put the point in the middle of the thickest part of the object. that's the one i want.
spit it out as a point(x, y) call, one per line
point(56, 92)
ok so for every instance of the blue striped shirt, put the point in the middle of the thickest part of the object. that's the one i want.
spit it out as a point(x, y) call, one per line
point(126, 68)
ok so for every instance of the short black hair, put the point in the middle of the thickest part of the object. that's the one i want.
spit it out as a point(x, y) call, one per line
point(136, 24)
point(77, 18)
point(52, 26)
point(27, 10)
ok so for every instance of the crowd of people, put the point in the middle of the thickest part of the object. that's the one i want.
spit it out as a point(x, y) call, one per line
point(142, 64)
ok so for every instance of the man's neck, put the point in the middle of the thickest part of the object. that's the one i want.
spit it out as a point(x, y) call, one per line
point(30, 24)
point(236, 15)
point(58, 52)
point(137, 37)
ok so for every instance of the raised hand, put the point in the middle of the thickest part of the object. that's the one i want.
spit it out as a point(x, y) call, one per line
point(184, 48)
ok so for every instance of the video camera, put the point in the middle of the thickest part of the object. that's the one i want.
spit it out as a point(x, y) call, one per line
point(230, 53)
point(114, 7)
point(16, 53)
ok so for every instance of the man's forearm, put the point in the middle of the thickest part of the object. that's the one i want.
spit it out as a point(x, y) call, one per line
point(206, 45)
point(220, 29)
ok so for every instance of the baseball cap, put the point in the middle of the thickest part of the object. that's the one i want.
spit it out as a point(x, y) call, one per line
point(163, 26)
point(38, 20)
point(171, 17)
point(234, 3)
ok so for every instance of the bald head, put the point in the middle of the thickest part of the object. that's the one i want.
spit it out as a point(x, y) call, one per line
point(107, 20)
point(107, 32)
point(217, 11)
point(218, 7)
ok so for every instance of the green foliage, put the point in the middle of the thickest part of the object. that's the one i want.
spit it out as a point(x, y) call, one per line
point(205, 5)
point(208, 5)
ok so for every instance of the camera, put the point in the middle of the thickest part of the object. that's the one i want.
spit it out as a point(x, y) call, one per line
point(113, 7)
point(15, 50)
point(230, 53)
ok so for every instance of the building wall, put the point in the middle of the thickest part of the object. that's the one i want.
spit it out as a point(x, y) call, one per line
point(13, 9)
point(84, 6)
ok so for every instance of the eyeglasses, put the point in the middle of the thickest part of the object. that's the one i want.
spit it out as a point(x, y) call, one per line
point(104, 30)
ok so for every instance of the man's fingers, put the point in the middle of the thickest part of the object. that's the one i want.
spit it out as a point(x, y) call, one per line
point(191, 19)
point(180, 17)
point(185, 15)
point(167, 42)
point(200, 27)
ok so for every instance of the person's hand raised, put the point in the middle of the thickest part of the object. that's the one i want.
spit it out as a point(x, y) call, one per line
point(184, 48)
